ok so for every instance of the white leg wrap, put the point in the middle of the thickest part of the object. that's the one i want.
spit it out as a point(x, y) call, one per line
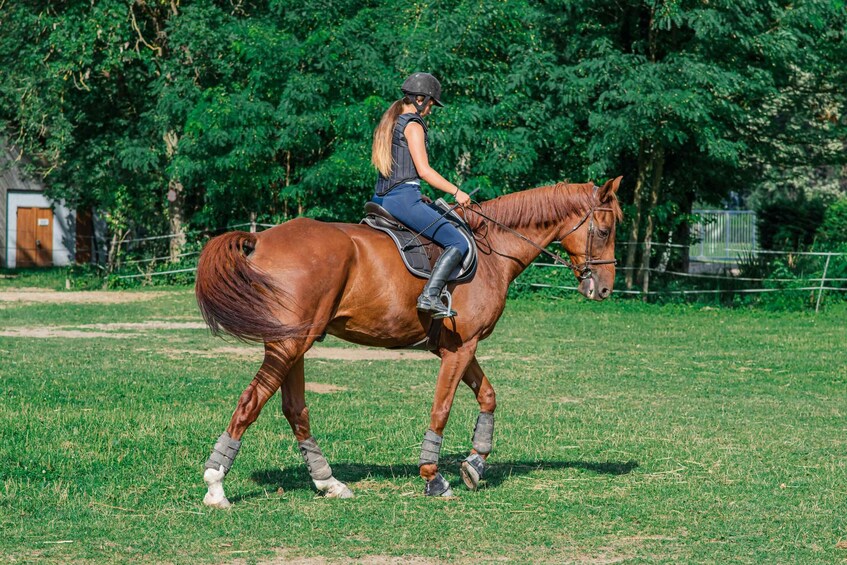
point(215, 496)
point(333, 488)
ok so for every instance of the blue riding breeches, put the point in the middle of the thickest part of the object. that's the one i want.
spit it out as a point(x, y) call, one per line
point(404, 203)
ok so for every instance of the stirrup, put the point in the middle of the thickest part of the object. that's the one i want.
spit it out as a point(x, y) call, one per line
point(435, 305)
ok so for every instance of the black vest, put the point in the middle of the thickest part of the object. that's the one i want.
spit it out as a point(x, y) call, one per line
point(403, 168)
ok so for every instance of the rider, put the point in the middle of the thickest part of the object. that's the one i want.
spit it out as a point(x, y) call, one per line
point(400, 155)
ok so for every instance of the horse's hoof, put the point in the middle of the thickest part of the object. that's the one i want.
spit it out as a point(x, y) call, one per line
point(333, 488)
point(215, 496)
point(339, 491)
point(469, 476)
point(438, 486)
point(472, 470)
point(214, 502)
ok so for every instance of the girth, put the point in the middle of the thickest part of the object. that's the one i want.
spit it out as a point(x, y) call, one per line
point(419, 254)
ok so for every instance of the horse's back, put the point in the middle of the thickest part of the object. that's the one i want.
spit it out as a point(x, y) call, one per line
point(348, 276)
point(309, 258)
point(298, 238)
point(329, 253)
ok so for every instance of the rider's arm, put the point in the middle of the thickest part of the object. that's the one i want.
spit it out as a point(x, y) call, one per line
point(417, 147)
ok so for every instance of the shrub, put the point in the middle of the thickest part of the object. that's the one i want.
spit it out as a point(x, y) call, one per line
point(832, 233)
point(789, 224)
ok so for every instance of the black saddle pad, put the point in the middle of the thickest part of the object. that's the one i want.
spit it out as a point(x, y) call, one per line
point(419, 253)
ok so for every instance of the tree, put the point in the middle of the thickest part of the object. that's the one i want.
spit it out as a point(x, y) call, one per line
point(166, 115)
point(690, 92)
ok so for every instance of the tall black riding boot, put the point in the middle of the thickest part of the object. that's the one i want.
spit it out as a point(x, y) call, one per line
point(430, 298)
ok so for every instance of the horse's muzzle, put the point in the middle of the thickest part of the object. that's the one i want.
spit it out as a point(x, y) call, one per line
point(594, 287)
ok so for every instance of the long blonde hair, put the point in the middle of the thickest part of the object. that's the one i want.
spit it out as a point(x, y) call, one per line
point(383, 134)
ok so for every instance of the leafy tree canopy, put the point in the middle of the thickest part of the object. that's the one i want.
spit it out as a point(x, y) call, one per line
point(268, 107)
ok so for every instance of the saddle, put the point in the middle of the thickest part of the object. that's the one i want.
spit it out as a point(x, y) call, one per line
point(419, 253)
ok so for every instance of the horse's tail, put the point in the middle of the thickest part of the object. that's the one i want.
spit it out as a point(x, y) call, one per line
point(237, 298)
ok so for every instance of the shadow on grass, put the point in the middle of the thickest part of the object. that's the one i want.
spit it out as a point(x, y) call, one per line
point(295, 478)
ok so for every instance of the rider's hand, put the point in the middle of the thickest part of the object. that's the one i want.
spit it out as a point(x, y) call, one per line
point(462, 198)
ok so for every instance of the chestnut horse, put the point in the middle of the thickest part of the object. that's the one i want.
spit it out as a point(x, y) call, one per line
point(291, 284)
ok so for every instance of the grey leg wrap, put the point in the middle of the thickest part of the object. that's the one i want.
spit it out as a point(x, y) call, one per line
point(223, 453)
point(483, 433)
point(430, 448)
point(319, 469)
point(438, 487)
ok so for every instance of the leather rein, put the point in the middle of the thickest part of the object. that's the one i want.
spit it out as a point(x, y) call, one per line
point(582, 270)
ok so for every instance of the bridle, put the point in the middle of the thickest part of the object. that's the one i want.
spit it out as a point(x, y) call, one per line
point(582, 270)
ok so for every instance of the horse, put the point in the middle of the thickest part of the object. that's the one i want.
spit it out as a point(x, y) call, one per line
point(290, 285)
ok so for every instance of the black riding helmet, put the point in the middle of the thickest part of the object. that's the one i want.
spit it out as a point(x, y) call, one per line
point(422, 84)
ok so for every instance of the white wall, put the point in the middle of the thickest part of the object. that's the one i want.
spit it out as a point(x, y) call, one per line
point(64, 228)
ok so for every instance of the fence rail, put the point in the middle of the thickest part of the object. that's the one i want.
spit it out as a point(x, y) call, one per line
point(822, 271)
point(732, 232)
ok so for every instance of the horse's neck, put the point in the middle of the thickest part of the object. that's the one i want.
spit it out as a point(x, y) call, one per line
point(512, 255)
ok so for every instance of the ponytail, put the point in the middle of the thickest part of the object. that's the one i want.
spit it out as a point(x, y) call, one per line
point(381, 149)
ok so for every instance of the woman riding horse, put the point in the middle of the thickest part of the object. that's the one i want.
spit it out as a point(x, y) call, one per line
point(269, 287)
point(400, 155)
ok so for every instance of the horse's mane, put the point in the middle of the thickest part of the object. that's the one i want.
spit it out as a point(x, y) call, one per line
point(542, 206)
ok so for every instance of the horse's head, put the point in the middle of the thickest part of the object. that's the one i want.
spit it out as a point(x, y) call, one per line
point(591, 244)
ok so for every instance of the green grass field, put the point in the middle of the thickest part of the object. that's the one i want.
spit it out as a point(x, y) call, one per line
point(624, 433)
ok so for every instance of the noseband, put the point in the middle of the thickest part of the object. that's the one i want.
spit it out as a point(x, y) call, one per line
point(581, 271)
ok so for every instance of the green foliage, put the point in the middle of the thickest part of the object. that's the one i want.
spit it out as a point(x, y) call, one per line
point(789, 224)
point(785, 280)
point(269, 107)
point(832, 232)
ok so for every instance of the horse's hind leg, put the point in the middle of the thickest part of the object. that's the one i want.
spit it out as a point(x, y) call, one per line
point(295, 410)
point(266, 382)
point(473, 468)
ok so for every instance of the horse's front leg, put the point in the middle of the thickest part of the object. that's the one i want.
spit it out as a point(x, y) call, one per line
point(454, 363)
point(261, 388)
point(295, 410)
point(473, 468)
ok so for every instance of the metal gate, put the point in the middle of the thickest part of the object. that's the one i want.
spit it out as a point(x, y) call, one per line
point(723, 235)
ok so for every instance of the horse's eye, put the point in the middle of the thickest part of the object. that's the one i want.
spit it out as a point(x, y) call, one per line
point(603, 233)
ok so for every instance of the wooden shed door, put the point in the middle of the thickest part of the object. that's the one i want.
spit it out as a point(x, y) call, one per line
point(84, 236)
point(35, 237)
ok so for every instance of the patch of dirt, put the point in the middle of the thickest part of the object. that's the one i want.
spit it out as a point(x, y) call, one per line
point(321, 353)
point(602, 558)
point(285, 556)
point(638, 539)
point(362, 354)
point(46, 295)
point(322, 388)
point(841, 544)
point(122, 330)
point(625, 549)
point(82, 331)
point(148, 325)
point(48, 331)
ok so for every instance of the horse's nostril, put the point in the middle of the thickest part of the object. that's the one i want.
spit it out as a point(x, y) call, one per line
point(604, 292)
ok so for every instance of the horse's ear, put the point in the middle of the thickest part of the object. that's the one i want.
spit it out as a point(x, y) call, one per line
point(610, 187)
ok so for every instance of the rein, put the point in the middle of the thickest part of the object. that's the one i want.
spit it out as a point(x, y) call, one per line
point(581, 271)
